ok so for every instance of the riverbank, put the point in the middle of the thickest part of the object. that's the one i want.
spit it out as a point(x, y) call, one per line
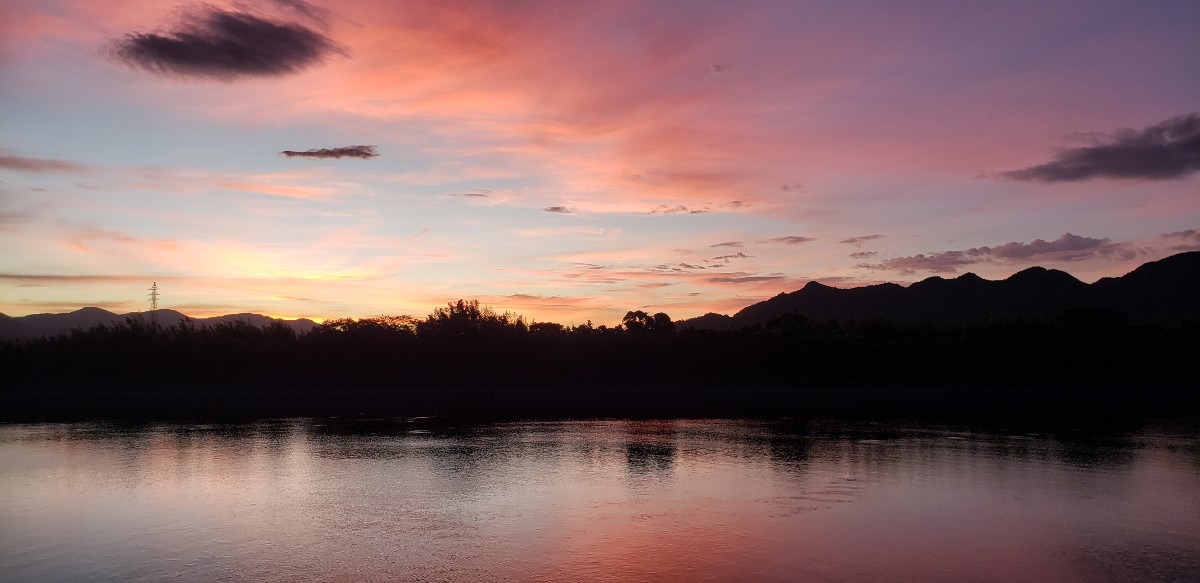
point(499, 402)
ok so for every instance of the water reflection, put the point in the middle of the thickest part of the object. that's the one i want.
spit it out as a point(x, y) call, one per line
point(649, 458)
point(415, 499)
point(649, 448)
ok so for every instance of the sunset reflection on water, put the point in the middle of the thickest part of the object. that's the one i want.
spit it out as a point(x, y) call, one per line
point(594, 500)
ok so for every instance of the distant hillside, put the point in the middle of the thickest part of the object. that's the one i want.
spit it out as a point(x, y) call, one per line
point(38, 325)
point(1168, 288)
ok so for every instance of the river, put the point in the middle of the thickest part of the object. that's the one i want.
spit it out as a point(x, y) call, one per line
point(608, 500)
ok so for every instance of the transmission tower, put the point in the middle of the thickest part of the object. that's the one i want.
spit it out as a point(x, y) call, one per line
point(154, 303)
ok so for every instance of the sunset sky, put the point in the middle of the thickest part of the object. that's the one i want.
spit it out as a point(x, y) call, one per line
point(574, 160)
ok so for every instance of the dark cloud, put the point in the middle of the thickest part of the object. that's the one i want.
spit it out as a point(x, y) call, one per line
point(728, 258)
point(21, 164)
point(364, 152)
point(215, 43)
point(558, 209)
point(789, 240)
point(728, 244)
point(1066, 248)
point(750, 279)
point(1167, 150)
point(863, 254)
point(944, 262)
point(474, 194)
point(1189, 240)
point(862, 239)
point(1067, 242)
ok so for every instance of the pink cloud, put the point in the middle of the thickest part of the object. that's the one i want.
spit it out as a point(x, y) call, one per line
point(287, 191)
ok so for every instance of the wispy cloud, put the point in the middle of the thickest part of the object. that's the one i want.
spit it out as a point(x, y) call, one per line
point(860, 240)
point(39, 165)
point(663, 209)
point(1170, 149)
point(558, 209)
point(728, 258)
point(45, 279)
point(86, 238)
point(789, 240)
point(305, 9)
point(364, 152)
point(1068, 247)
point(747, 279)
point(284, 190)
point(474, 194)
point(1188, 240)
point(222, 44)
point(728, 244)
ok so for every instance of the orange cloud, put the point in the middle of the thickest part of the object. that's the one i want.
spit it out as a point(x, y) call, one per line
point(301, 192)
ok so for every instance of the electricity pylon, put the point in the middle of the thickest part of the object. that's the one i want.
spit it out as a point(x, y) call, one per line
point(154, 303)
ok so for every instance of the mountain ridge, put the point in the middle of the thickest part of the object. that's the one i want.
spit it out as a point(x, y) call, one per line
point(1166, 288)
point(53, 324)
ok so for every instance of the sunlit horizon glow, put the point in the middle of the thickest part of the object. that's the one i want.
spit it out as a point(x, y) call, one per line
point(571, 162)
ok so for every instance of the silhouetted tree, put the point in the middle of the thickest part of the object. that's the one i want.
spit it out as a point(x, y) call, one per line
point(639, 322)
point(663, 324)
point(466, 317)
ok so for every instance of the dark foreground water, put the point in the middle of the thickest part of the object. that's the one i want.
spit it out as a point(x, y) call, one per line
point(595, 501)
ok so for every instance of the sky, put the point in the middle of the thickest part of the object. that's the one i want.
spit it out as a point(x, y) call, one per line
point(572, 161)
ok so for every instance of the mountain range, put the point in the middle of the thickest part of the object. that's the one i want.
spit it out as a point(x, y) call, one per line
point(37, 325)
point(1164, 289)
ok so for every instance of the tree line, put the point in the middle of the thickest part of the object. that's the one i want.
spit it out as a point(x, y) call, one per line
point(465, 343)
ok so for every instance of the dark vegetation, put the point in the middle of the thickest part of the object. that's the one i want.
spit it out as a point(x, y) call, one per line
point(465, 359)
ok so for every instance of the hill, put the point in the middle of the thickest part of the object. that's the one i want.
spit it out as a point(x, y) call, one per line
point(40, 325)
point(1168, 288)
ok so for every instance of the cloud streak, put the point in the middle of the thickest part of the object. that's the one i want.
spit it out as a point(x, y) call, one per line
point(1068, 247)
point(46, 279)
point(1170, 149)
point(39, 165)
point(1188, 240)
point(363, 152)
point(789, 240)
point(303, 8)
point(663, 209)
point(727, 258)
point(860, 240)
point(213, 43)
point(748, 279)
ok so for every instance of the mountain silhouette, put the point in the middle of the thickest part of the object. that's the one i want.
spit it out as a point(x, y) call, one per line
point(38, 325)
point(1168, 288)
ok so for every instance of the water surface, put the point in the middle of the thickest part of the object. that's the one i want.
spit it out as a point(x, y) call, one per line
point(595, 501)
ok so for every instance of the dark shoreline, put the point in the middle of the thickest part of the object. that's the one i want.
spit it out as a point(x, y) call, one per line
point(507, 402)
